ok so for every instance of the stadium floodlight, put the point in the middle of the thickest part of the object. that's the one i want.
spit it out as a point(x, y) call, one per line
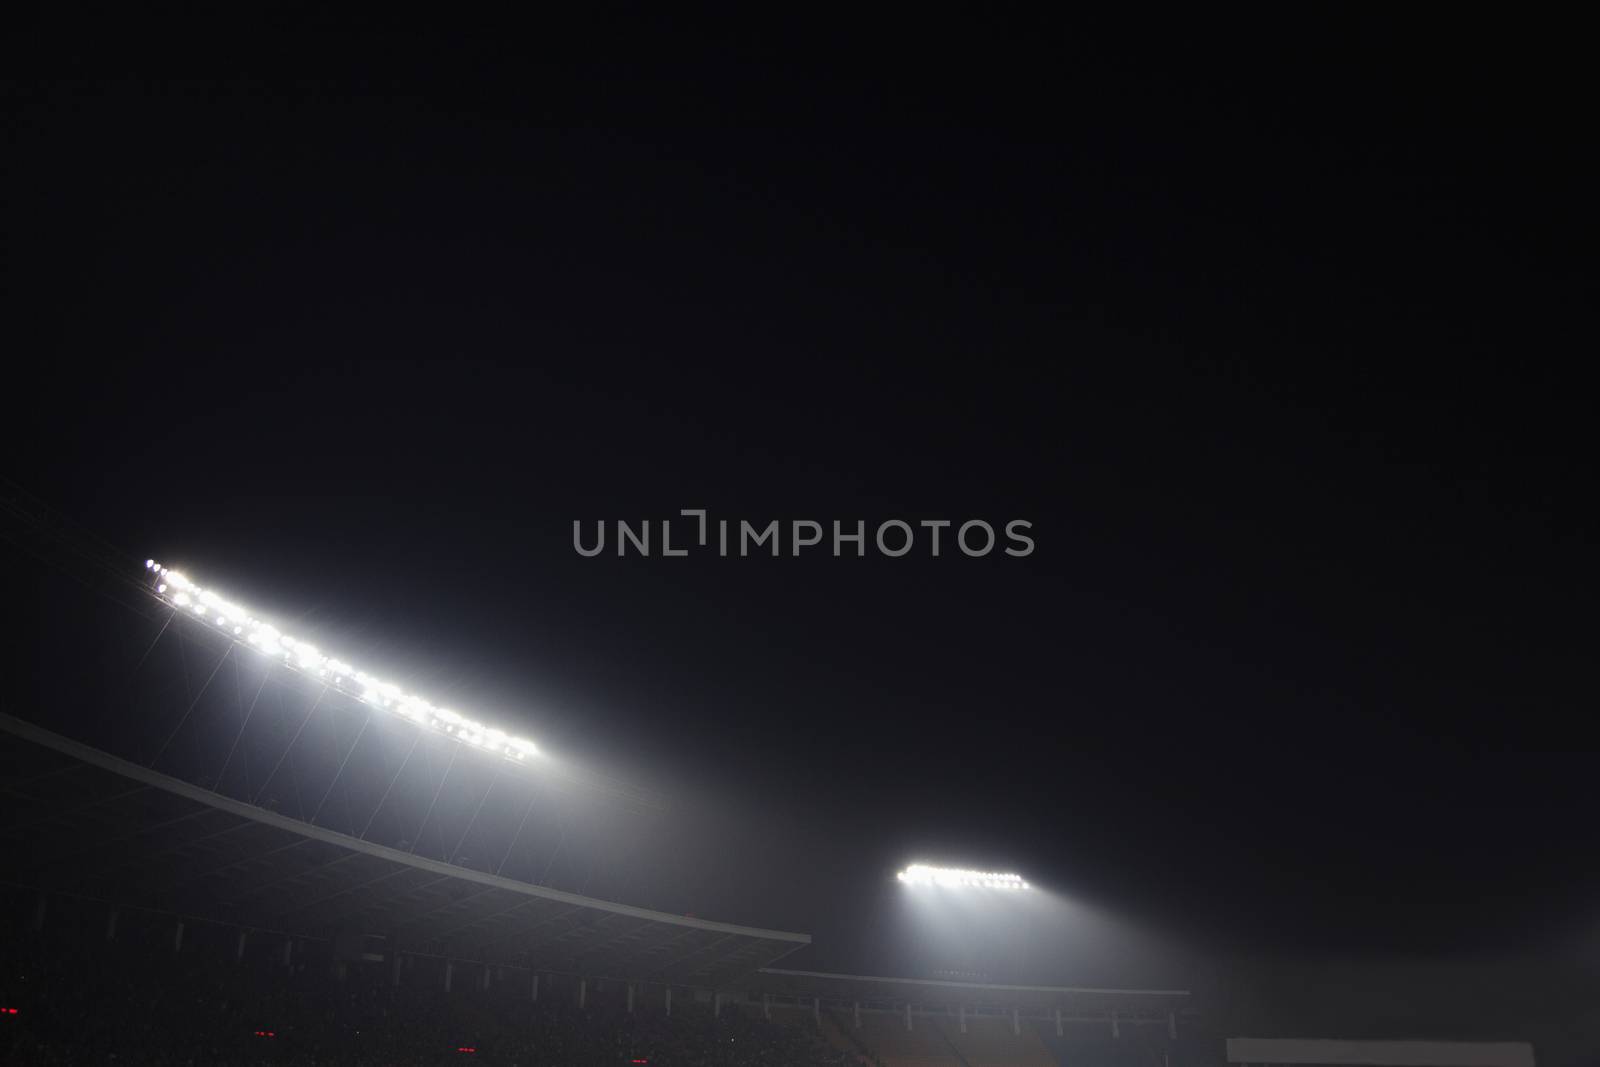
point(955, 877)
point(248, 628)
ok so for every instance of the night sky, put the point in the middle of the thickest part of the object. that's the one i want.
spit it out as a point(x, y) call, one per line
point(1277, 334)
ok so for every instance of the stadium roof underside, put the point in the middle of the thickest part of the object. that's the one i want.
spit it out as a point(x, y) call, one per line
point(86, 824)
point(1076, 1002)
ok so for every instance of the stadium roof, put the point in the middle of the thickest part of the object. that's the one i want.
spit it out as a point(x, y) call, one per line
point(84, 823)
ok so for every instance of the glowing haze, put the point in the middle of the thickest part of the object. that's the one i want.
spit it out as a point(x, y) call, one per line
point(242, 625)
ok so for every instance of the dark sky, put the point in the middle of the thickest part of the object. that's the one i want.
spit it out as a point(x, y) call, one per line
point(1277, 333)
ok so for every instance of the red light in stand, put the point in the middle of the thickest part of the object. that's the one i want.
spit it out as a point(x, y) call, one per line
point(8, 1011)
point(638, 1061)
point(465, 1048)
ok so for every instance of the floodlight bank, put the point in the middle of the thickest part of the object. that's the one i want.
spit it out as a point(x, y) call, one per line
point(922, 874)
point(242, 625)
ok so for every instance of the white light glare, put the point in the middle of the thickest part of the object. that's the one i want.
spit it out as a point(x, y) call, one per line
point(270, 641)
point(922, 874)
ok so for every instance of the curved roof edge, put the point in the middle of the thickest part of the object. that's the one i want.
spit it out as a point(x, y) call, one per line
point(79, 751)
point(971, 985)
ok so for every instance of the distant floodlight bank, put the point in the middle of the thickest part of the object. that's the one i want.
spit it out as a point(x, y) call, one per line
point(922, 874)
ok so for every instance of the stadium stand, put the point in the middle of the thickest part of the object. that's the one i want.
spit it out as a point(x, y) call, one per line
point(908, 1022)
point(153, 920)
point(991, 1042)
point(840, 1038)
point(885, 1036)
point(1083, 1045)
point(84, 824)
point(140, 1000)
